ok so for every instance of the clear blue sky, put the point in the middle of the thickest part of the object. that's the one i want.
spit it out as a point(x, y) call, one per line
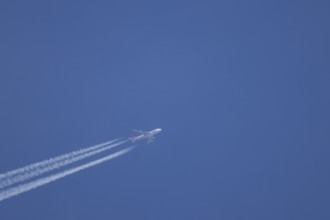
point(240, 88)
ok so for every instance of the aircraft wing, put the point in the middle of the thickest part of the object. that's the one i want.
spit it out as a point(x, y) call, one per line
point(140, 131)
point(151, 139)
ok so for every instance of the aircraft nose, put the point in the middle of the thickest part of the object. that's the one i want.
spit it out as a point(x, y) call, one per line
point(159, 129)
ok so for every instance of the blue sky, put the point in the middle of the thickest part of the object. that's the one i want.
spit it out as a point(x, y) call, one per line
point(240, 89)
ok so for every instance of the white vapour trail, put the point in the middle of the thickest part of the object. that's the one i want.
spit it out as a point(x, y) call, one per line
point(56, 165)
point(42, 181)
point(53, 160)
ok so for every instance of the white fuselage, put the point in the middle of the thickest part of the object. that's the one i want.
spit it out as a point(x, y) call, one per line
point(147, 135)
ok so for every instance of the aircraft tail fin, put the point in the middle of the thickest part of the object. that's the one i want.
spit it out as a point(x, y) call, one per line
point(132, 139)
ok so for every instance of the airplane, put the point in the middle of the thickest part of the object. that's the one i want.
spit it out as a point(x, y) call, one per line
point(149, 135)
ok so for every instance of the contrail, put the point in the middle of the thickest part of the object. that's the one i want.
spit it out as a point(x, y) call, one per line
point(53, 160)
point(55, 165)
point(42, 181)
